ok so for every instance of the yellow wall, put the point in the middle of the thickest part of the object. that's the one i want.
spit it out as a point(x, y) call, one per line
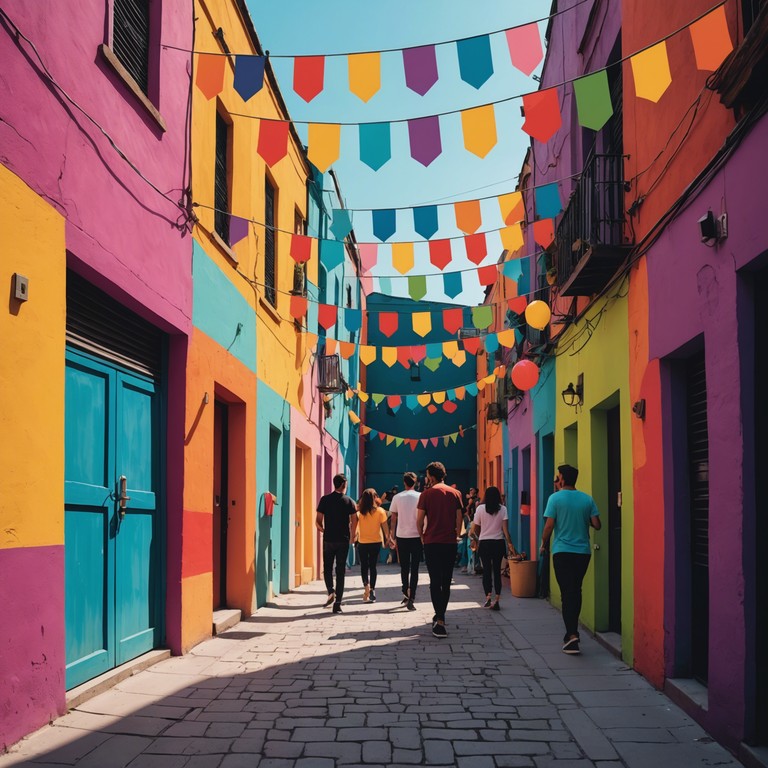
point(31, 369)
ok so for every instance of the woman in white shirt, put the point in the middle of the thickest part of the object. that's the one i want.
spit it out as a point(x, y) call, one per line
point(490, 529)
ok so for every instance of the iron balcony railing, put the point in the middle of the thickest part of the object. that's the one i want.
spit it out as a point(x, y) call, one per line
point(590, 238)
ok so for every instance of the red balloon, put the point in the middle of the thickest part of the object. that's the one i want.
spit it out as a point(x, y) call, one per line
point(525, 374)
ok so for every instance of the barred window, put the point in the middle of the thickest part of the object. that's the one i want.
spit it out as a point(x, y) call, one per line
point(270, 281)
point(221, 182)
point(130, 38)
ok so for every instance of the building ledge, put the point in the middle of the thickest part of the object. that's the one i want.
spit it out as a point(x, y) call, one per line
point(689, 694)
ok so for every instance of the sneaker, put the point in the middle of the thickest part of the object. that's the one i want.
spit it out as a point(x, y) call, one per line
point(331, 598)
point(410, 606)
point(496, 606)
point(367, 594)
point(487, 603)
point(372, 597)
point(337, 608)
point(438, 630)
point(572, 647)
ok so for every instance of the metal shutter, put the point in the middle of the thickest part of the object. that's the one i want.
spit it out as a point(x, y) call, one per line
point(269, 243)
point(130, 38)
point(221, 186)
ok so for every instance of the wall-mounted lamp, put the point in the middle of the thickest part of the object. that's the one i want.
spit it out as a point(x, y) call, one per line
point(574, 396)
point(639, 409)
point(415, 371)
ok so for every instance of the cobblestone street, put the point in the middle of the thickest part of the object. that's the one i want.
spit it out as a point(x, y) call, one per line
point(297, 686)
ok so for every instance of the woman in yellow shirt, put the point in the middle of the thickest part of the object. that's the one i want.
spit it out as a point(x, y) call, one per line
point(372, 523)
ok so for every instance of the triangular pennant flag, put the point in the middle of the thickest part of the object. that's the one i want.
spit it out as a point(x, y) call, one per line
point(433, 363)
point(323, 140)
point(301, 248)
point(472, 345)
point(402, 257)
point(398, 442)
point(512, 238)
point(364, 430)
point(353, 319)
point(417, 287)
point(418, 352)
point(479, 128)
point(650, 69)
point(424, 136)
point(593, 100)
point(346, 349)
point(438, 397)
point(273, 140)
point(512, 208)
point(433, 440)
point(449, 406)
point(424, 399)
point(487, 275)
point(389, 356)
point(404, 356)
point(454, 436)
point(354, 418)
point(542, 114)
point(422, 323)
point(341, 225)
point(388, 322)
point(210, 74)
point(477, 249)
point(453, 319)
point(373, 434)
point(384, 223)
point(468, 216)
point(298, 307)
point(440, 253)
point(249, 75)
point(364, 74)
point(475, 61)
point(369, 254)
point(363, 396)
point(711, 40)
point(525, 49)
point(375, 144)
point(367, 354)
point(452, 286)
point(238, 229)
point(424, 441)
point(390, 439)
point(425, 221)
point(377, 399)
point(544, 232)
point(445, 439)
point(326, 315)
point(420, 65)
point(414, 443)
point(331, 254)
point(461, 430)
point(308, 75)
point(450, 349)
point(491, 344)
point(506, 338)
point(482, 316)
point(548, 203)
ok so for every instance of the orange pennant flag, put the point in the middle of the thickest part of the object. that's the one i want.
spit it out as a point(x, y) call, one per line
point(479, 128)
point(650, 69)
point(323, 145)
point(346, 349)
point(711, 40)
point(512, 208)
point(210, 74)
point(330, 346)
point(460, 392)
point(364, 74)
point(468, 217)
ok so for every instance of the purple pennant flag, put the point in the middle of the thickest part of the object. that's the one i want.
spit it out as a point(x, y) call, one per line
point(424, 133)
point(238, 229)
point(420, 66)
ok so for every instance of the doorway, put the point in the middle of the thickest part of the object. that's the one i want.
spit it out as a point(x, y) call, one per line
point(220, 502)
point(613, 469)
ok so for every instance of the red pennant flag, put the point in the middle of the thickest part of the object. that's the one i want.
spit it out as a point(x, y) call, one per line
point(477, 249)
point(518, 304)
point(472, 344)
point(542, 114)
point(449, 406)
point(404, 356)
point(453, 319)
point(418, 353)
point(210, 74)
point(461, 430)
point(424, 441)
point(487, 274)
point(432, 408)
point(433, 440)
point(308, 75)
point(326, 315)
point(393, 401)
point(414, 443)
point(544, 232)
point(382, 436)
point(301, 248)
point(298, 307)
point(273, 140)
point(440, 253)
point(388, 323)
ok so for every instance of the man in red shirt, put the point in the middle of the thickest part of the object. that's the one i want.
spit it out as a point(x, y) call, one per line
point(441, 506)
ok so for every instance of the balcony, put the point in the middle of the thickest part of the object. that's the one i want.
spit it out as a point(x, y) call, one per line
point(590, 239)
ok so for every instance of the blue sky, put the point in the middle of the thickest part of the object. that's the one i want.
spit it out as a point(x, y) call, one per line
point(306, 27)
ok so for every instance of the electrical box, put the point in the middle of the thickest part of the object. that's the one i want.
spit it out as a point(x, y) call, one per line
point(20, 287)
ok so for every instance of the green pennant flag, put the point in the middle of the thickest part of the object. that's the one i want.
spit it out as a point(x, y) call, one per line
point(417, 287)
point(377, 398)
point(398, 442)
point(445, 441)
point(454, 437)
point(593, 100)
point(482, 316)
point(433, 363)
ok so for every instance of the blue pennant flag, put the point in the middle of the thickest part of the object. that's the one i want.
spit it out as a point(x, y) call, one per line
point(475, 61)
point(342, 224)
point(331, 254)
point(435, 350)
point(375, 144)
point(373, 433)
point(548, 203)
point(249, 75)
point(452, 284)
point(385, 286)
point(491, 343)
point(353, 320)
point(425, 220)
point(524, 281)
point(411, 402)
point(472, 389)
point(451, 394)
point(384, 224)
point(512, 269)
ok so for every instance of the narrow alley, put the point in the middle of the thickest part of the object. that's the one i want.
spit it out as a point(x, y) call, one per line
point(295, 686)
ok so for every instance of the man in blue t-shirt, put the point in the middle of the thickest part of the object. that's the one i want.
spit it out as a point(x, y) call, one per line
point(569, 513)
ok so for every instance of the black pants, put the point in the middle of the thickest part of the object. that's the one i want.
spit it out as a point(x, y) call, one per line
point(409, 551)
point(491, 553)
point(369, 556)
point(570, 569)
point(440, 559)
point(335, 550)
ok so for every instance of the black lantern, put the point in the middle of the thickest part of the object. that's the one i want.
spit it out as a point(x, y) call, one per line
point(574, 396)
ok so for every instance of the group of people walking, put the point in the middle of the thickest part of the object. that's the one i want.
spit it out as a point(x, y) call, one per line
point(429, 524)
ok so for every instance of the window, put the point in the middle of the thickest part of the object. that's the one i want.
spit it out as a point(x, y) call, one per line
point(270, 281)
point(221, 182)
point(299, 270)
point(130, 38)
point(349, 296)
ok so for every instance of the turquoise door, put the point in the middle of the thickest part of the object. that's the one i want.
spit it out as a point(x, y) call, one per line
point(113, 580)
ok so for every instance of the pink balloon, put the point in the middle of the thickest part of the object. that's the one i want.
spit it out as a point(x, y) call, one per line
point(525, 374)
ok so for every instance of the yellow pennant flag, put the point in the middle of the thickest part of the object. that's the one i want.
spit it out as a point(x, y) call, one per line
point(479, 128)
point(512, 238)
point(402, 257)
point(311, 339)
point(490, 378)
point(367, 354)
point(450, 349)
point(423, 400)
point(512, 208)
point(460, 358)
point(422, 323)
point(354, 418)
point(389, 356)
point(507, 338)
point(390, 439)
point(364, 74)
point(362, 395)
point(323, 140)
point(650, 69)
point(481, 385)
point(364, 430)
point(438, 397)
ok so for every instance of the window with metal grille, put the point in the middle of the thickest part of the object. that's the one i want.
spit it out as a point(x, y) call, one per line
point(220, 181)
point(270, 281)
point(299, 270)
point(130, 38)
point(329, 373)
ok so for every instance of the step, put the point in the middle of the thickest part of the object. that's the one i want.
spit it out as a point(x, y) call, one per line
point(225, 618)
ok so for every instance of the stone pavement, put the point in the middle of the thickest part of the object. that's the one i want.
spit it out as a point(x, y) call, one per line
point(297, 687)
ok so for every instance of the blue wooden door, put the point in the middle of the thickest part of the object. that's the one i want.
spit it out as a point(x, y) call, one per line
point(113, 581)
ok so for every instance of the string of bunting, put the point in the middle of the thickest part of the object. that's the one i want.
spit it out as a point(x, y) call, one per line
point(650, 67)
point(411, 442)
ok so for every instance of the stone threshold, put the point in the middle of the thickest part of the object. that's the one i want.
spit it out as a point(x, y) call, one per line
point(224, 619)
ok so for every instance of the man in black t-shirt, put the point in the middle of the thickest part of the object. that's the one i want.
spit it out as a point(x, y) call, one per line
point(337, 520)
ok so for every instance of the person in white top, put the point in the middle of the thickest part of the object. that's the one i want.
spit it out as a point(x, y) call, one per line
point(406, 538)
point(489, 531)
